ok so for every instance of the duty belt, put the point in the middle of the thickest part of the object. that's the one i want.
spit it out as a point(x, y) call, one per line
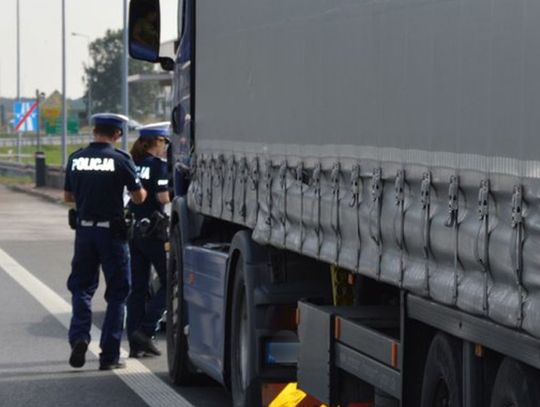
point(89, 223)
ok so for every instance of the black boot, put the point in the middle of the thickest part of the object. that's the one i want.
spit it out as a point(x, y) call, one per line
point(144, 343)
point(78, 353)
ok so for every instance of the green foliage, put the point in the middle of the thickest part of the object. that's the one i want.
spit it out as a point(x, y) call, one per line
point(105, 77)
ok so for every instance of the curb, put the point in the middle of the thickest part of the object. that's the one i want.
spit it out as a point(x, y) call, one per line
point(37, 193)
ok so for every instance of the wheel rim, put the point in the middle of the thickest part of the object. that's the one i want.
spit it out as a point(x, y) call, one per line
point(442, 395)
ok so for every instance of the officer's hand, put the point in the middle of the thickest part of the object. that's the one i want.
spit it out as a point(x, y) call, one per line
point(138, 196)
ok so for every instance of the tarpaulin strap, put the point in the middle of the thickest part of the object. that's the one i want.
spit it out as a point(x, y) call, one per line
point(335, 221)
point(425, 198)
point(376, 204)
point(254, 183)
point(483, 230)
point(399, 219)
point(300, 181)
point(316, 184)
point(231, 178)
point(453, 187)
point(210, 183)
point(268, 186)
point(356, 200)
point(452, 221)
point(516, 251)
point(243, 182)
point(220, 183)
point(283, 185)
point(198, 177)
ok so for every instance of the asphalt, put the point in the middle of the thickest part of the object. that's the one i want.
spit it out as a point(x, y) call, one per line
point(34, 349)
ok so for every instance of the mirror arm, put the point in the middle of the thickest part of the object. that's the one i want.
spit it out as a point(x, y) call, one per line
point(167, 64)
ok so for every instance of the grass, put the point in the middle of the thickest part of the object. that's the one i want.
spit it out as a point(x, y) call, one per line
point(15, 180)
point(53, 153)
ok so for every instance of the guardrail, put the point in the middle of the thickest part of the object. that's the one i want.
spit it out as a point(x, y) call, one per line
point(14, 156)
point(82, 138)
point(45, 140)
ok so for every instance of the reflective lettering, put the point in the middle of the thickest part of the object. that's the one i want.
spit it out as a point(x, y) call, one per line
point(144, 172)
point(93, 164)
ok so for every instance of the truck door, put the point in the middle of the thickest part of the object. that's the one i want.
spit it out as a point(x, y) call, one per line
point(182, 114)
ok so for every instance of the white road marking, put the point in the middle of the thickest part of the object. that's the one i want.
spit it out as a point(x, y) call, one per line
point(136, 375)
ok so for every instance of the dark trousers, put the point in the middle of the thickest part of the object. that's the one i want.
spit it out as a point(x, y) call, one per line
point(95, 246)
point(143, 313)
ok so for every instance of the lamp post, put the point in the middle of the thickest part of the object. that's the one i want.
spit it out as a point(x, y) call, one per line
point(18, 53)
point(89, 108)
point(125, 73)
point(64, 96)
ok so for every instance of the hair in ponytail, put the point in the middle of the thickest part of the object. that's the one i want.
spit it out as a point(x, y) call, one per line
point(141, 146)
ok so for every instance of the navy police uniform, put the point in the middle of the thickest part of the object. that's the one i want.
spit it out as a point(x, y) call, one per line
point(96, 177)
point(147, 246)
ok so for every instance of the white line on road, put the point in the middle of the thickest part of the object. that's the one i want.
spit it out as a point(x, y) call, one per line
point(136, 375)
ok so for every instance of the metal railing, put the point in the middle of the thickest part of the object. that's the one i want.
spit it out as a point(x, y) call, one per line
point(50, 140)
point(31, 141)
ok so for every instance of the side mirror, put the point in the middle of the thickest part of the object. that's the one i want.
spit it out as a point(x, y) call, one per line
point(144, 30)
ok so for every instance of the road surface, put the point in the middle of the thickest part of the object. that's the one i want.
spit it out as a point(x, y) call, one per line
point(35, 251)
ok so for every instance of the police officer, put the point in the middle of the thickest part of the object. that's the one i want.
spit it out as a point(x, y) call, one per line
point(149, 236)
point(95, 180)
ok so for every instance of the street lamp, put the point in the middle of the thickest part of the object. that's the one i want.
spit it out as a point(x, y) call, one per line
point(89, 109)
point(18, 52)
point(125, 73)
point(64, 89)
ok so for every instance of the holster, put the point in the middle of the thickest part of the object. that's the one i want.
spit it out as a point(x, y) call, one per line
point(161, 225)
point(155, 227)
point(72, 218)
point(122, 228)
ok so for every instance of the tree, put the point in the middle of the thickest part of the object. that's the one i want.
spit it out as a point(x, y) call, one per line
point(105, 77)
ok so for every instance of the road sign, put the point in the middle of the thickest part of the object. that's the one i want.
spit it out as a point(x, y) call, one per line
point(26, 116)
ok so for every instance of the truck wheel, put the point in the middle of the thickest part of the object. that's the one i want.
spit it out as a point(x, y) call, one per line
point(441, 386)
point(516, 385)
point(177, 357)
point(245, 388)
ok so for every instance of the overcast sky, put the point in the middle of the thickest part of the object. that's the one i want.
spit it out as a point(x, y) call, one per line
point(41, 41)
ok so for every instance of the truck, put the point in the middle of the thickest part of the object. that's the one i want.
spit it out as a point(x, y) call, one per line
point(358, 207)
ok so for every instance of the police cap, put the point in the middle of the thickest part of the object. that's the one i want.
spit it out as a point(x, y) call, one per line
point(109, 119)
point(161, 129)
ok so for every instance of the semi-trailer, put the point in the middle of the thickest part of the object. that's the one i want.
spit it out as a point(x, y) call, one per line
point(358, 208)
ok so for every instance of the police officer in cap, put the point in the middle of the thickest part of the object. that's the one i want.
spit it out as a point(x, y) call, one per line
point(147, 246)
point(95, 180)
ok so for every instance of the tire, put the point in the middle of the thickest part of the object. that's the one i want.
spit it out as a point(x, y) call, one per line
point(245, 387)
point(441, 386)
point(516, 385)
point(180, 370)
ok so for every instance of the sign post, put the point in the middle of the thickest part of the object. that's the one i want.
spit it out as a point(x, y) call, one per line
point(19, 140)
point(25, 114)
point(40, 166)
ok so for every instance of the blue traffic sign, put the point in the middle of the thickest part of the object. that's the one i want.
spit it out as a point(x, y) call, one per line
point(21, 112)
